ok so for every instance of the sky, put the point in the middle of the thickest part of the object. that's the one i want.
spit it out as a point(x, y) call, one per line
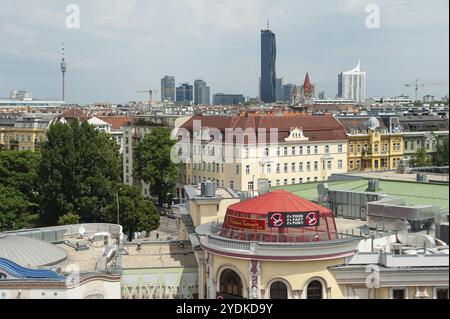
point(124, 46)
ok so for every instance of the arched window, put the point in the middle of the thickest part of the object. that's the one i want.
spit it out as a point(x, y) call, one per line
point(231, 284)
point(278, 290)
point(315, 290)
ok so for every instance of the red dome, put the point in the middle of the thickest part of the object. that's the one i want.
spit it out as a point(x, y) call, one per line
point(277, 201)
point(279, 216)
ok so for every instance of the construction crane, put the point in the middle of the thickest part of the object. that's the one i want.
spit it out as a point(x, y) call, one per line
point(150, 93)
point(417, 84)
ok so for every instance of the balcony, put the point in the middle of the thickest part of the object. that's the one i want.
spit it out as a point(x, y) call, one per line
point(291, 248)
point(367, 154)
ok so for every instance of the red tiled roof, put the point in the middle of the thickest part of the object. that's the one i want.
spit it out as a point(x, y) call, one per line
point(117, 122)
point(74, 114)
point(316, 128)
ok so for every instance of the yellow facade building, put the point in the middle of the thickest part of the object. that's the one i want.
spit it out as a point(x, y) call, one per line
point(29, 131)
point(374, 144)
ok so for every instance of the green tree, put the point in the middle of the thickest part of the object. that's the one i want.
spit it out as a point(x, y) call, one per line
point(420, 159)
point(79, 173)
point(441, 155)
point(18, 170)
point(18, 195)
point(154, 165)
point(135, 212)
point(13, 209)
point(69, 219)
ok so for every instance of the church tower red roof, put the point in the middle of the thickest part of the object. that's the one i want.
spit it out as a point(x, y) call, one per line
point(307, 84)
point(308, 88)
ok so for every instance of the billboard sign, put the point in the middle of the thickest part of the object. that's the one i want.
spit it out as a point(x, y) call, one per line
point(294, 220)
point(246, 223)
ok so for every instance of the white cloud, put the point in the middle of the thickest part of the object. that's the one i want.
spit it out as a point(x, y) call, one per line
point(117, 14)
point(23, 32)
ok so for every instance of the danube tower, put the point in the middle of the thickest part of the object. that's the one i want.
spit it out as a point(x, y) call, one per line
point(63, 70)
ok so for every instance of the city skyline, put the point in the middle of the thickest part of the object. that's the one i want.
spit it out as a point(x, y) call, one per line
point(116, 42)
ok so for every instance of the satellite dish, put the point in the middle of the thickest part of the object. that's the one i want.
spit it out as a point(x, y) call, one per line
point(82, 231)
point(365, 230)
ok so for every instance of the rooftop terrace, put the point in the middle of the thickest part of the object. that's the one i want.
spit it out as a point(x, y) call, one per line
point(158, 255)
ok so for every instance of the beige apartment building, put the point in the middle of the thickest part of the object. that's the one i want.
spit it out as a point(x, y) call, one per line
point(297, 149)
point(133, 133)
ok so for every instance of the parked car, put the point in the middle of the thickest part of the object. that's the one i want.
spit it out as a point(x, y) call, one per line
point(171, 215)
point(162, 211)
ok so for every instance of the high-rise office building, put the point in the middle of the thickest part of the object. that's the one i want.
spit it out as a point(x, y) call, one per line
point(185, 93)
point(268, 67)
point(279, 90)
point(197, 85)
point(168, 89)
point(288, 93)
point(352, 85)
point(228, 99)
point(322, 95)
point(202, 93)
point(428, 98)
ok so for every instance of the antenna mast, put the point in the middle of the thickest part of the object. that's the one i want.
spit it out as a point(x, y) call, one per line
point(63, 71)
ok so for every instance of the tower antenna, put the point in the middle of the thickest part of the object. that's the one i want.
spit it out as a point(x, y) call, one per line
point(63, 71)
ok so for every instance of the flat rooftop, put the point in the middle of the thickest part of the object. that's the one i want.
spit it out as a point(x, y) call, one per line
point(195, 192)
point(344, 225)
point(86, 260)
point(158, 255)
point(394, 176)
point(411, 192)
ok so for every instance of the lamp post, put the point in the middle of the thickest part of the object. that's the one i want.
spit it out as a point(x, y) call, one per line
point(253, 181)
point(118, 209)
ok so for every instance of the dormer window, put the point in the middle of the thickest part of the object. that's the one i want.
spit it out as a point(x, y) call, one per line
point(296, 134)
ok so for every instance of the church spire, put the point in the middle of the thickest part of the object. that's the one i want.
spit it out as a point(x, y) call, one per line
point(308, 88)
point(307, 84)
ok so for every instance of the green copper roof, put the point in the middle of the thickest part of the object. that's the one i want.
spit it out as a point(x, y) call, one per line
point(411, 193)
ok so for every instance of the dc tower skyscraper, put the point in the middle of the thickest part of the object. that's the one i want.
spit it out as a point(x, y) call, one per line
point(268, 66)
point(63, 71)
